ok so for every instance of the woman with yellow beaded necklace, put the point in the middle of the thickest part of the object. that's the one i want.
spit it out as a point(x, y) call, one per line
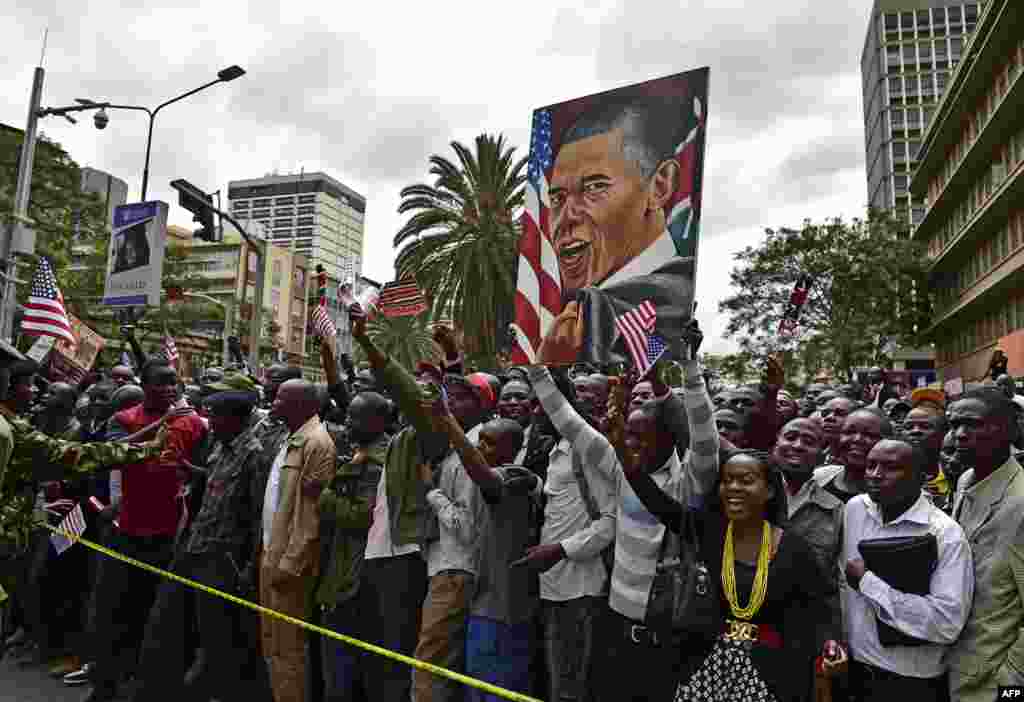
point(775, 617)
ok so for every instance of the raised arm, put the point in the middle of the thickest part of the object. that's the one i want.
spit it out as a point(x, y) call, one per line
point(398, 381)
point(704, 441)
point(595, 450)
point(486, 478)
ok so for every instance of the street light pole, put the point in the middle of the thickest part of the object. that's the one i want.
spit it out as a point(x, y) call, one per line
point(20, 238)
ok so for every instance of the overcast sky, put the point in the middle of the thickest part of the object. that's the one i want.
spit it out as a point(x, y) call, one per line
point(367, 91)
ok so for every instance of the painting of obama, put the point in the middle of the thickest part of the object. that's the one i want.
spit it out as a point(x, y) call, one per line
point(610, 231)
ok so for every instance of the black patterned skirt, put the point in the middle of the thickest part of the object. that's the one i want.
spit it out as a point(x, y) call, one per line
point(726, 675)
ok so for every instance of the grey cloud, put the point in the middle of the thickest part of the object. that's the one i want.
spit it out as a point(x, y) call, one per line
point(760, 59)
point(809, 171)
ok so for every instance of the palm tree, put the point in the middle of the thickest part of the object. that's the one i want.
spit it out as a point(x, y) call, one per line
point(405, 339)
point(461, 241)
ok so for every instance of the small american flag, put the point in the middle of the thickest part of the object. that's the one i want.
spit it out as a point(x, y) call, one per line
point(71, 527)
point(323, 327)
point(170, 349)
point(637, 329)
point(45, 314)
point(402, 298)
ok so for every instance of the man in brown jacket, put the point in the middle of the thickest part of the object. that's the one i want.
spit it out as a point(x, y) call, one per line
point(291, 534)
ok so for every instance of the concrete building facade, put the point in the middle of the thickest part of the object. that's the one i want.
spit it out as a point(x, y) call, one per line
point(969, 177)
point(308, 213)
point(910, 49)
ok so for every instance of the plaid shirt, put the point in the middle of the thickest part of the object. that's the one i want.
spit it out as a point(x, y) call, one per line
point(231, 502)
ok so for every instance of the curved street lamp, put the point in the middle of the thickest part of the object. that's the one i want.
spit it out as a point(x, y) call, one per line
point(223, 76)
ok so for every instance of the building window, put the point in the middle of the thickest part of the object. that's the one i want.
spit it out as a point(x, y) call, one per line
point(303, 199)
point(895, 87)
point(900, 183)
point(307, 209)
point(892, 22)
point(924, 24)
point(909, 56)
point(284, 200)
point(240, 205)
point(282, 223)
point(304, 232)
point(261, 203)
point(302, 221)
point(260, 213)
point(910, 86)
point(907, 21)
point(971, 13)
point(897, 119)
point(284, 212)
point(913, 119)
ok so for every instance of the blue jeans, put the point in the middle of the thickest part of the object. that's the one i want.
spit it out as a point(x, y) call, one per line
point(342, 665)
point(500, 654)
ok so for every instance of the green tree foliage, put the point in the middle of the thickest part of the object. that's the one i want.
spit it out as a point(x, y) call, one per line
point(867, 287)
point(62, 213)
point(461, 241)
point(407, 340)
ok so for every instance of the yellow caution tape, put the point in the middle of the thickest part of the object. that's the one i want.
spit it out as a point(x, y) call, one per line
point(408, 660)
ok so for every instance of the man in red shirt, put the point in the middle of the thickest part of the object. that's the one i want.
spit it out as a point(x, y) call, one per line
point(151, 511)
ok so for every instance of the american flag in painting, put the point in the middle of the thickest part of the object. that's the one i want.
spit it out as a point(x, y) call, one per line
point(539, 294)
point(637, 329)
point(45, 314)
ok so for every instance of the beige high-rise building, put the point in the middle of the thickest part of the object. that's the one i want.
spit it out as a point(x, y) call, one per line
point(308, 213)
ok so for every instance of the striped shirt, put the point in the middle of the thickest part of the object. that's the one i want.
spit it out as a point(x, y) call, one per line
point(638, 534)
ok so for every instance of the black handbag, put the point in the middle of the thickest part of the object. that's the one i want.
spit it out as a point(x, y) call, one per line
point(905, 563)
point(684, 595)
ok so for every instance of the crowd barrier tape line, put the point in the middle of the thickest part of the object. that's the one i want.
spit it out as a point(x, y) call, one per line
point(408, 660)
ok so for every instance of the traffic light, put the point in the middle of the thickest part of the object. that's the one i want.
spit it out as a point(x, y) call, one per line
point(199, 204)
point(321, 284)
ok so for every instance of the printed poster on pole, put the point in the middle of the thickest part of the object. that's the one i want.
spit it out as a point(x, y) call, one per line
point(135, 260)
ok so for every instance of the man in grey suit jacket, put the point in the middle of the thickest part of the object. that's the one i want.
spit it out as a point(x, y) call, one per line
point(989, 505)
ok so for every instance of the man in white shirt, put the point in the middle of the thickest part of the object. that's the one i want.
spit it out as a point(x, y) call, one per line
point(895, 506)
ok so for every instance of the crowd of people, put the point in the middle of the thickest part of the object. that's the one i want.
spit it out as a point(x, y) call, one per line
point(552, 531)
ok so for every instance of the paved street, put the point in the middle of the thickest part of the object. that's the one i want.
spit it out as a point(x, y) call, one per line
point(32, 685)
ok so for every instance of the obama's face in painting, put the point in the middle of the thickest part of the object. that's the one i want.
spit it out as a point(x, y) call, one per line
point(604, 212)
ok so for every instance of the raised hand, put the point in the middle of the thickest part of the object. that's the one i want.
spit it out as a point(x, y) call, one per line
point(564, 338)
point(357, 320)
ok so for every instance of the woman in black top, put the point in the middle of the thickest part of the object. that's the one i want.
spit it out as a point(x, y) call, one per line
point(772, 591)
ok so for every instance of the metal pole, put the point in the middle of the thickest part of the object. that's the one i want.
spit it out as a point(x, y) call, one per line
point(229, 325)
point(20, 238)
point(145, 166)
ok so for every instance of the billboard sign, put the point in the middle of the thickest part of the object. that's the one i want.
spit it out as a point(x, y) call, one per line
point(135, 260)
point(608, 251)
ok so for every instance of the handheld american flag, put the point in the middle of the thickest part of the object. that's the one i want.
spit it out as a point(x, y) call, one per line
point(45, 314)
point(71, 529)
point(170, 349)
point(637, 329)
point(539, 290)
point(402, 298)
point(323, 327)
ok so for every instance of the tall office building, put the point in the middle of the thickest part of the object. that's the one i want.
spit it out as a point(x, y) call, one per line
point(910, 50)
point(971, 175)
point(309, 213)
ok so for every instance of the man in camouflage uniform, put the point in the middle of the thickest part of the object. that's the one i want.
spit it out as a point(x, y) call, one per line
point(32, 448)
